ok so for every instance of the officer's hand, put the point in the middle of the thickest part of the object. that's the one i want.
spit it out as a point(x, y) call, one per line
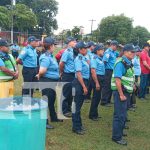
point(38, 77)
point(123, 98)
point(97, 86)
point(85, 91)
point(16, 75)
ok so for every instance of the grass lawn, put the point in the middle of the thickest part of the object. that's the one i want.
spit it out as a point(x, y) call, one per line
point(98, 134)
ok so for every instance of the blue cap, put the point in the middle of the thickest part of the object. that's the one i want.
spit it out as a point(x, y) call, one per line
point(32, 39)
point(70, 39)
point(4, 43)
point(138, 49)
point(98, 47)
point(146, 45)
point(129, 47)
point(81, 44)
point(91, 43)
point(50, 41)
point(114, 42)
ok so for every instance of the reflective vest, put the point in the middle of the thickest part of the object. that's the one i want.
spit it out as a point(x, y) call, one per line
point(9, 64)
point(127, 79)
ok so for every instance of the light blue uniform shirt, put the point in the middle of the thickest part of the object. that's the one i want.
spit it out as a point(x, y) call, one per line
point(29, 57)
point(120, 69)
point(15, 48)
point(2, 64)
point(136, 66)
point(48, 61)
point(98, 65)
point(89, 54)
point(109, 58)
point(81, 65)
point(68, 59)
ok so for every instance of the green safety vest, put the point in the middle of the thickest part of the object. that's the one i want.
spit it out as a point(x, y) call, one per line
point(127, 80)
point(10, 64)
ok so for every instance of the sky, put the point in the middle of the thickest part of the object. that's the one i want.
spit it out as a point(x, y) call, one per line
point(78, 12)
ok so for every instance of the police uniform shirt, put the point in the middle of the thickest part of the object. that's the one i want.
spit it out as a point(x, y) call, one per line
point(29, 57)
point(48, 61)
point(68, 59)
point(110, 58)
point(1, 61)
point(81, 65)
point(120, 69)
point(89, 54)
point(98, 65)
point(15, 48)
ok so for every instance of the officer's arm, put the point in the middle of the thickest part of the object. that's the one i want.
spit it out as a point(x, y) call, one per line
point(42, 71)
point(61, 66)
point(94, 76)
point(7, 71)
point(19, 61)
point(80, 79)
point(119, 86)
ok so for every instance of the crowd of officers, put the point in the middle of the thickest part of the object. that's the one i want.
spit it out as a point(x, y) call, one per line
point(85, 67)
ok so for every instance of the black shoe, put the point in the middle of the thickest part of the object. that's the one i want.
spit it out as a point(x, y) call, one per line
point(49, 126)
point(126, 127)
point(87, 100)
point(94, 119)
point(107, 105)
point(99, 117)
point(68, 114)
point(57, 120)
point(79, 132)
point(121, 142)
point(124, 134)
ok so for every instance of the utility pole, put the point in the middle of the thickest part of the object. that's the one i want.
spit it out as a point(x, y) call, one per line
point(13, 3)
point(92, 21)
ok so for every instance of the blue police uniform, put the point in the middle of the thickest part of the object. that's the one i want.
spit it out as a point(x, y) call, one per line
point(109, 59)
point(98, 65)
point(120, 107)
point(68, 76)
point(48, 61)
point(81, 65)
point(29, 59)
point(15, 50)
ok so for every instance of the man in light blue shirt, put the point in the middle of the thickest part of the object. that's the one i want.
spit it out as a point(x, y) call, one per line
point(109, 60)
point(28, 57)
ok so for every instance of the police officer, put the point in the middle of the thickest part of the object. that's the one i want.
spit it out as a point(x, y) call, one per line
point(67, 72)
point(109, 60)
point(122, 85)
point(8, 71)
point(15, 50)
point(98, 72)
point(82, 74)
point(91, 46)
point(49, 72)
point(28, 57)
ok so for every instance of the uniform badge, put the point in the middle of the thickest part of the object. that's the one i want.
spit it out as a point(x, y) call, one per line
point(107, 55)
point(23, 52)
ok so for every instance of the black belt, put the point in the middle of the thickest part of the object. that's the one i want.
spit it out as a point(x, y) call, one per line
point(29, 67)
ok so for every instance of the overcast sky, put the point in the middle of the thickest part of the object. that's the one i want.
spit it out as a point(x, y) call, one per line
point(79, 12)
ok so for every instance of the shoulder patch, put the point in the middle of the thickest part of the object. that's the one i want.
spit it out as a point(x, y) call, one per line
point(80, 57)
point(94, 57)
point(107, 55)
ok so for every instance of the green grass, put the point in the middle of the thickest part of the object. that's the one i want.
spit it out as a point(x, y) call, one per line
point(98, 134)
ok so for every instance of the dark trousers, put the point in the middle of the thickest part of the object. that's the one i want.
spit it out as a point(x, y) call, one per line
point(106, 91)
point(50, 93)
point(120, 115)
point(96, 97)
point(79, 99)
point(143, 85)
point(29, 76)
point(15, 54)
point(67, 92)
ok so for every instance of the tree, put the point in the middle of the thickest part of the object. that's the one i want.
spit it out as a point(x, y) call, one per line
point(140, 35)
point(5, 2)
point(4, 17)
point(76, 32)
point(24, 18)
point(116, 27)
point(46, 10)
